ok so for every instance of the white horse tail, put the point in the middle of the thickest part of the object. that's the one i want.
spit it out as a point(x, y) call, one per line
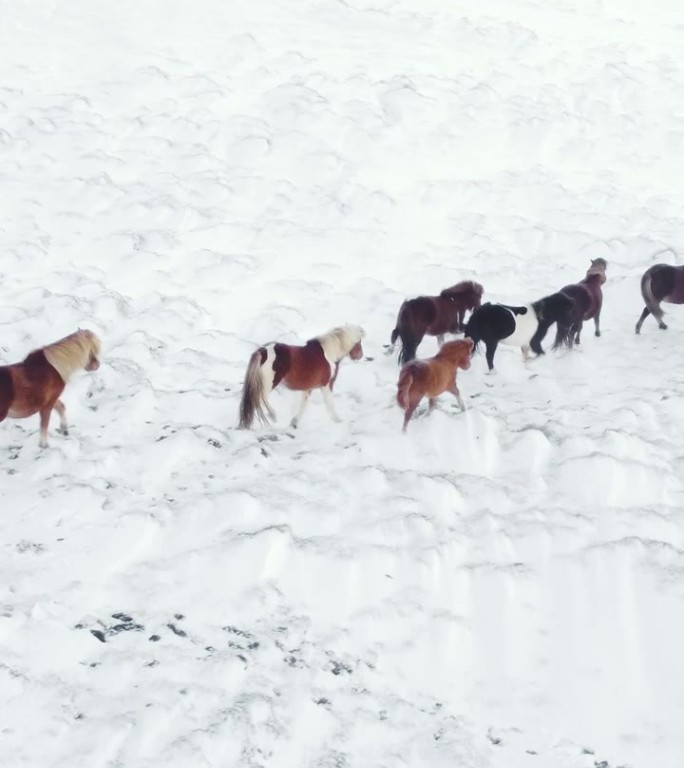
point(255, 390)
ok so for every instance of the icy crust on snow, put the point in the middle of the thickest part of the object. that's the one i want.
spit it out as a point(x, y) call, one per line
point(501, 588)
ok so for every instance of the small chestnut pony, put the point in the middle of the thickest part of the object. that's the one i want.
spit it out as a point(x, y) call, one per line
point(304, 368)
point(432, 377)
point(34, 385)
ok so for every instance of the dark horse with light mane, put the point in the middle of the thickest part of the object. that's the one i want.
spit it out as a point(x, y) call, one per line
point(661, 282)
point(34, 385)
point(304, 368)
point(434, 316)
point(588, 298)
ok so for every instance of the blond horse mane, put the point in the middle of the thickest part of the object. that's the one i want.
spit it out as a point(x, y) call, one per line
point(72, 352)
point(340, 341)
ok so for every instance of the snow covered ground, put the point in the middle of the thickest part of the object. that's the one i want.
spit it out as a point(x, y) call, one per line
point(498, 589)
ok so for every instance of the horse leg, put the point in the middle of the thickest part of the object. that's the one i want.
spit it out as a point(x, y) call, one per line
point(407, 415)
point(640, 321)
point(440, 339)
point(597, 324)
point(525, 352)
point(432, 404)
point(577, 329)
point(44, 422)
point(61, 410)
point(658, 314)
point(454, 391)
point(306, 394)
point(491, 349)
point(328, 399)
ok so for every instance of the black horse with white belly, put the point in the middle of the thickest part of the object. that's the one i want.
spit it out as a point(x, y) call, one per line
point(523, 327)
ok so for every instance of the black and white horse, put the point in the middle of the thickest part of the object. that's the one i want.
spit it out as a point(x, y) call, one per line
point(523, 327)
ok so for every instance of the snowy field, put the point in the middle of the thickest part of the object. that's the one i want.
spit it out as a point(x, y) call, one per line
point(501, 588)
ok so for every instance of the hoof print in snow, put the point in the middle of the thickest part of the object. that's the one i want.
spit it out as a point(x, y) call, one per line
point(239, 632)
point(153, 663)
point(214, 443)
point(601, 764)
point(29, 546)
point(294, 662)
point(154, 638)
point(126, 624)
point(495, 740)
point(176, 630)
point(338, 667)
point(323, 702)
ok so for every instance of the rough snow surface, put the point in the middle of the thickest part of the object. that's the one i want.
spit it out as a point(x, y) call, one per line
point(498, 589)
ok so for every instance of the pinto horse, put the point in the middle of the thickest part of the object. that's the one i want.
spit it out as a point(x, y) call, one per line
point(434, 316)
point(34, 385)
point(661, 282)
point(523, 327)
point(302, 368)
point(433, 377)
point(588, 298)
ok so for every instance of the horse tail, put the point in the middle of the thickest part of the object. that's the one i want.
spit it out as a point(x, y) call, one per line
point(406, 331)
point(404, 386)
point(649, 299)
point(253, 401)
point(393, 337)
point(563, 335)
point(470, 333)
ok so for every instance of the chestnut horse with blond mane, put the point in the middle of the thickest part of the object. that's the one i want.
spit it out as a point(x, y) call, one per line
point(34, 385)
point(434, 316)
point(302, 368)
point(433, 377)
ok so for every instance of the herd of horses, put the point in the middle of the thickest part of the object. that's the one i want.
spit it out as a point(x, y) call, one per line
point(36, 384)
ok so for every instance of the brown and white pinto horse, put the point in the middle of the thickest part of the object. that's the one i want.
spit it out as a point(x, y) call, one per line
point(34, 385)
point(434, 316)
point(588, 298)
point(303, 368)
point(433, 377)
point(661, 282)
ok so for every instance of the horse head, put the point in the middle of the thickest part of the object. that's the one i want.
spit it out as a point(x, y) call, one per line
point(598, 268)
point(457, 352)
point(95, 346)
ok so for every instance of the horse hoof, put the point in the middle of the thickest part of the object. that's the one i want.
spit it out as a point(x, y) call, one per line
point(662, 327)
point(64, 432)
point(597, 333)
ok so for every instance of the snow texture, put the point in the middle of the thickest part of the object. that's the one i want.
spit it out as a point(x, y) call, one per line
point(500, 588)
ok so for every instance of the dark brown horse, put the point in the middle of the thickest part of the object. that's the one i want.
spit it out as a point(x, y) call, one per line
point(434, 316)
point(34, 386)
point(661, 282)
point(431, 378)
point(588, 298)
point(302, 368)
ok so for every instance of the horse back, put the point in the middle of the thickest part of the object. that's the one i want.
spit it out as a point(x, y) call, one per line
point(491, 321)
point(417, 314)
point(586, 303)
point(32, 385)
point(302, 367)
point(667, 283)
